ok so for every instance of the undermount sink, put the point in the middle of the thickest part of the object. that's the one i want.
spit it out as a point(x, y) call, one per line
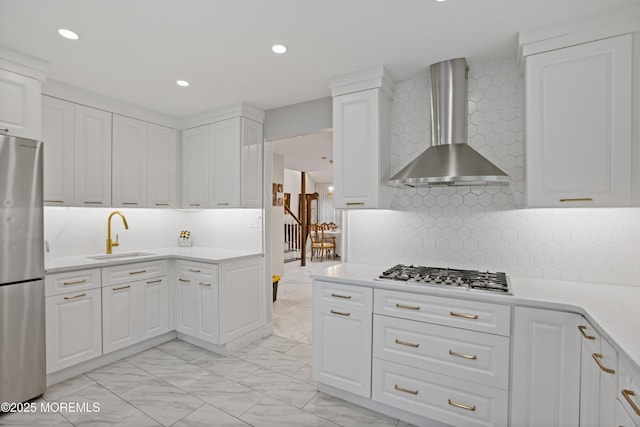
point(120, 256)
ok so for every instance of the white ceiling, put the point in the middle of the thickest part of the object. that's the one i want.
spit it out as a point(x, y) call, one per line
point(305, 153)
point(135, 50)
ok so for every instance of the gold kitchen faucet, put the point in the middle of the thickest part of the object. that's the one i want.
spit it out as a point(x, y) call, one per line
point(110, 243)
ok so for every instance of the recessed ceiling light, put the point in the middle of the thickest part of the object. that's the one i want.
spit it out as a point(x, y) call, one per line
point(182, 83)
point(68, 34)
point(279, 48)
point(440, 1)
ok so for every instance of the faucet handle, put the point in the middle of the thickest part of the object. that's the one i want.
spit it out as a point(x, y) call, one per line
point(116, 243)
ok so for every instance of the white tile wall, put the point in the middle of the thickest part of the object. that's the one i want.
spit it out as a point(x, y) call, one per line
point(487, 227)
point(79, 231)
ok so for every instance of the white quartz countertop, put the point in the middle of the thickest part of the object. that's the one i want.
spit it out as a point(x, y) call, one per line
point(215, 255)
point(613, 309)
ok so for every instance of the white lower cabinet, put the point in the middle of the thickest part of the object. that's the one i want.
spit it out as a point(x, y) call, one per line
point(74, 321)
point(206, 299)
point(342, 336)
point(133, 311)
point(623, 419)
point(628, 403)
point(545, 386)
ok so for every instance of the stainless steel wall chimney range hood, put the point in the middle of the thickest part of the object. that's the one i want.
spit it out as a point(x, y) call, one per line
point(449, 160)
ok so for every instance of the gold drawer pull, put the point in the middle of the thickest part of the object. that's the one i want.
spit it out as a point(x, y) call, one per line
point(4, 130)
point(194, 270)
point(184, 280)
point(75, 296)
point(194, 204)
point(340, 313)
point(582, 330)
point(92, 203)
point(408, 307)
point(460, 405)
point(405, 390)
point(223, 204)
point(355, 203)
point(121, 288)
point(75, 282)
point(130, 203)
point(464, 316)
point(408, 344)
point(597, 358)
point(162, 204)
point(154, 281)
point(341, 296)
point(204, 284)
point(627, 395)
point(579, 199)
point(464, 356)
point(53, 201)
point(137, 272)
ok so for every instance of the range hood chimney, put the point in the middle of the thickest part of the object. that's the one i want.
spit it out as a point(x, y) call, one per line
point(449, 160)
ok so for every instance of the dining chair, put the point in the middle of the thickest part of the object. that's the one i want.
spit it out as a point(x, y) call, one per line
point(319, 243)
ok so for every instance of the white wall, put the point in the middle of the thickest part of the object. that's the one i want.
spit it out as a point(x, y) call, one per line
point(81, 231)
point(277, 221)
point(298, 119)
point(488, 227)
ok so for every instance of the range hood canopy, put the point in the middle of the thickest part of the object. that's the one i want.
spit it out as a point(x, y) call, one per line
point(449, 160)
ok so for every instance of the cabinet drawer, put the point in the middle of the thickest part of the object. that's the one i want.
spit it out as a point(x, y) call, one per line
point(629, 392)
point(470, 355)
point(198, 270)
point(340, 295)
point(439, 397)
point(71, 281)
point(133, 272)
point(474, 315)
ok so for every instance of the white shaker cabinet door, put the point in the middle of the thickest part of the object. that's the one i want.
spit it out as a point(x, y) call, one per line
point(195, 168)
point(162, 164)
point(252, 155)
point(74, 328)
point(20, 105)
point(224, 146)
point(58, 134)
point(129, 162)
point(119, 316)
point(153, 307)
point(207, 323)
point(185, 305)
point(545, 388)
point(92, 171)
point(578, 125)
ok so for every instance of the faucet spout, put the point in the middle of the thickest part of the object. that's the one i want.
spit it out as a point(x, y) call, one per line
point(111, 243)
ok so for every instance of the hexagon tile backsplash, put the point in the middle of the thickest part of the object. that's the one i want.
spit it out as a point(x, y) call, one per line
point(488, 228)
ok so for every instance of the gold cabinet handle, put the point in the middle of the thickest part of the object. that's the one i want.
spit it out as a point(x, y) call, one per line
point(76, 296)
point(121, 288)
point(75, 282)
point(184, 280)
point(53, 201)
point(340, 313)
point(408, 344)
point(92, 203)
point(460, 405)
point(194, 204)
point(204, 284)
point(579, 199)
point(582, 330)
point(464, 316)
point(194, 270)
point(408, 307)
point(162, 204)
point(154, 281)
point(355, 203)
point(341, 296)
point(405, 390)
point(597, 357)
point(4, 129)
point(464, 356)
point(627, 395)
point(223, 204)
point(137, 272)
point(130, 203)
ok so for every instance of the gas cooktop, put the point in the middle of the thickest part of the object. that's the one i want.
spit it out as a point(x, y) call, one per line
point(461, 279)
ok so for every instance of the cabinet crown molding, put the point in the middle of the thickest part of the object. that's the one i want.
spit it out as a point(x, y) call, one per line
point(240, 109)
point(21, 63)
point(377, 77)
point(614, 22)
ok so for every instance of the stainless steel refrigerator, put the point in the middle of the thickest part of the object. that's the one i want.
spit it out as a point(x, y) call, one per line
point(22, 321)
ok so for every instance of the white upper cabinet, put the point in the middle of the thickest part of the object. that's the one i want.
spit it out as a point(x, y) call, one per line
point(58, 134)
point(20, 105)
point(361, 140)
point(578, 127)
point(252, 155)
point(162, 167)
point(92, 157)
point(222, 164)
point(129, 184)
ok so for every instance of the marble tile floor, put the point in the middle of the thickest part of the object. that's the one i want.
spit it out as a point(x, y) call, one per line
point(268, 383)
